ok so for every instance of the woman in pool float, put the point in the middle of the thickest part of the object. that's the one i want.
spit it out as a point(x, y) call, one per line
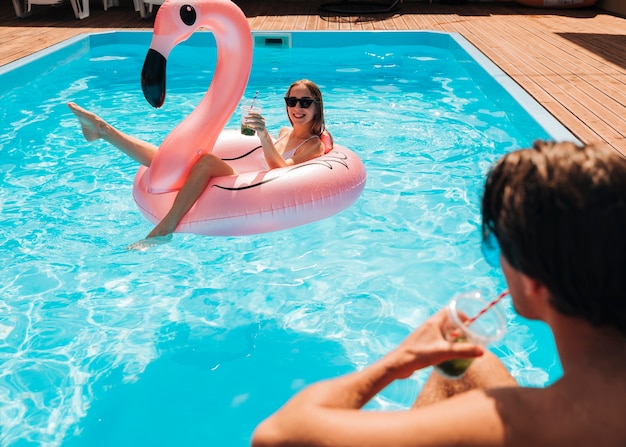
point(300, 143)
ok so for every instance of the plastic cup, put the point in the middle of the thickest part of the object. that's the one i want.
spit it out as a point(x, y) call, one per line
point(245, 110)
point(489, 327)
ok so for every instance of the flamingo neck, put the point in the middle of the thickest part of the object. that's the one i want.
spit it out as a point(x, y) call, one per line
point(232, 70)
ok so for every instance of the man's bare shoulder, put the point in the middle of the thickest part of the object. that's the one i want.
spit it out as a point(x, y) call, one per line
point(565, 413)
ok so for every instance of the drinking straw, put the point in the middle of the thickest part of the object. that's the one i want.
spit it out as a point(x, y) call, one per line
point(487, 307)
point(254, 99)
point(457, 332)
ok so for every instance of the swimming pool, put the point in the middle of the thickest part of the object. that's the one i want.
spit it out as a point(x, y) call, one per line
point(195, 341)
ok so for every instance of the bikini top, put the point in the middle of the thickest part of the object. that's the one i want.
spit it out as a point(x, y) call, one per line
point(290, 153)
point(326, 139)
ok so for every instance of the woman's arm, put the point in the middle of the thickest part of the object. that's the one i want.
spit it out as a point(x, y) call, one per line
point(310, 149)
point(272, 157)
point(256, 122)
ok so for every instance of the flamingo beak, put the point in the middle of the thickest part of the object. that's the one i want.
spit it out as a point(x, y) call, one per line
point(153, 78)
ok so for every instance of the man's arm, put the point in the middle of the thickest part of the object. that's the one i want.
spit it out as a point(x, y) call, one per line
point(328, 412)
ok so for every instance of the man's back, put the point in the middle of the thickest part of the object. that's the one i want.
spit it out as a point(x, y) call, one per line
point(574, 411)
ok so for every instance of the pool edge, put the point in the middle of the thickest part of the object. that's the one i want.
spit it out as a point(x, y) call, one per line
point(554, 128)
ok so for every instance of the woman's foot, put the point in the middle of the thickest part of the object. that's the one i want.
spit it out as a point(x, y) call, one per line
point(93, 126)
point(162, 229)
point(146, 244)
point(161, 234)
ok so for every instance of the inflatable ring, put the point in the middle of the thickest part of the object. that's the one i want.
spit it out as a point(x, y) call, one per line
point(258, 200)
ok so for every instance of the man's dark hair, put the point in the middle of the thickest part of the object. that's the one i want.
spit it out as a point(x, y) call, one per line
point(558, 212)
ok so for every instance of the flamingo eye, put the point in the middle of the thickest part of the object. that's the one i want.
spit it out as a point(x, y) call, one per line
point(188, 15)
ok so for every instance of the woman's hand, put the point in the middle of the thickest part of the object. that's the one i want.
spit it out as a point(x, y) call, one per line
point(256, 122)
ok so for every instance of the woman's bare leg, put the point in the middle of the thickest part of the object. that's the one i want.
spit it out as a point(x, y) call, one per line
point(485, 372)
point(95, 128)
point(206, 167)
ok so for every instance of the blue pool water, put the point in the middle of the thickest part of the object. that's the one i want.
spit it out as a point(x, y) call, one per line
point(195, 341)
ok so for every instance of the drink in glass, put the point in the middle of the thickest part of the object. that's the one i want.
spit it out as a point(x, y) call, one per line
point(245, 110)
point(463, 326)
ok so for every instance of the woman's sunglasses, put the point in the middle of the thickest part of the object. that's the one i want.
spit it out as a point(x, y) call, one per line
point(305, 103)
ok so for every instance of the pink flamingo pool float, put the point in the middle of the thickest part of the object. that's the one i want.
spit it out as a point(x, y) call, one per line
point(257, 200)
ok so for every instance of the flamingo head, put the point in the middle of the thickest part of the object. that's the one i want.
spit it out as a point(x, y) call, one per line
point(177, 20)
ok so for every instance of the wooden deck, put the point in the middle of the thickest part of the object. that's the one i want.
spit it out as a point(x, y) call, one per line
point(573, 62)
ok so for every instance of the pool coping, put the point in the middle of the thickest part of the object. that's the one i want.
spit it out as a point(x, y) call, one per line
point(536, 111)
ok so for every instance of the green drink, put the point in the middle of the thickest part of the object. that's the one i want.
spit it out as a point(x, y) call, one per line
point(455, 368)
point(245, 130)
point(245, 110)
point(464, 326)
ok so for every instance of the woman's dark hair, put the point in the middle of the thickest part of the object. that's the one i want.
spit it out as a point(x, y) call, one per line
point(317, 126)
point(558, 212)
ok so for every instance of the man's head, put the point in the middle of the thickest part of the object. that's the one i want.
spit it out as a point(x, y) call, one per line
point(558, 213)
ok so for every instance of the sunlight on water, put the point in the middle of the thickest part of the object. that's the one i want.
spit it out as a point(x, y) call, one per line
point(193, 342)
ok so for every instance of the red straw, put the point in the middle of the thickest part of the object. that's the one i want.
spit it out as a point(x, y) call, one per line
point(457, 332)
point(254, 99)
point(487, 307)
